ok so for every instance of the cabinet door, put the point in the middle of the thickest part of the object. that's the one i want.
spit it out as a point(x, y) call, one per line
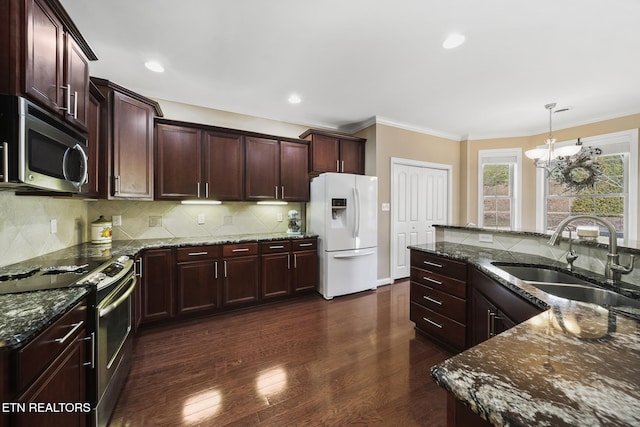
point(294, 171)
point(223, 166)
point(305, 271)
point(94, 121)
point(76, 77)
point(275, 275)
point(157, 285)
point(64, 381)
point(351, 156)
point(43, 63)
point(481, 311)
point(325, 154)
point(262, 169)
point(178, 163)
point(132, 148)
point(197, 285)
point(241, 285)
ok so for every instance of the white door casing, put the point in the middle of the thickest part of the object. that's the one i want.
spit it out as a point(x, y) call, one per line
point(420, 198)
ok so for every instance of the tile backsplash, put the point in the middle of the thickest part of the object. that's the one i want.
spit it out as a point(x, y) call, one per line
point(26, 231)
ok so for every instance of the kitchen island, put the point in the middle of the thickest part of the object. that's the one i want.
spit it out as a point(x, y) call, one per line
point(574, 364)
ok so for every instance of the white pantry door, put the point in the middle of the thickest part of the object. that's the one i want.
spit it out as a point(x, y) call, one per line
point(420, 200)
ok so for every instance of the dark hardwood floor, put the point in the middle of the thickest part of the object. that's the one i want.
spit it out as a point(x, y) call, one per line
point(355, 360)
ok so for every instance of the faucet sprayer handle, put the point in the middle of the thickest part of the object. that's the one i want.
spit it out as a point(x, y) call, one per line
point(622, 269)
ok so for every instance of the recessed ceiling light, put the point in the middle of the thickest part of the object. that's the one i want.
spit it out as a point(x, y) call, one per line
point(294, 99)
point(154, 66)
point(453, 41)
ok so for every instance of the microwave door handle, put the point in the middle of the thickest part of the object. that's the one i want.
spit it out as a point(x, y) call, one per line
point(85, 165)
point(5, 162)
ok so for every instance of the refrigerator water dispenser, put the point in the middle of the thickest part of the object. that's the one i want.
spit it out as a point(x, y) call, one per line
point(338, 213)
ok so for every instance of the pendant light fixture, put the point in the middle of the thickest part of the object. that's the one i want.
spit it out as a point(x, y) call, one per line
point(544, 156)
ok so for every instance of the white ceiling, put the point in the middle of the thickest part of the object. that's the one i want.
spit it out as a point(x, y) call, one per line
point(352, 60)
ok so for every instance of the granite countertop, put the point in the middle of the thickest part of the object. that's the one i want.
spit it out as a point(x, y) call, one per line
point(574, 364)
point(25, 314)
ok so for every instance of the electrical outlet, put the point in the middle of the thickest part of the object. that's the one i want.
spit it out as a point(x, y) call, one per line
point(116, 220)
point(485, 238)
point(54, 226)
point(279, 217)
point(201, 218)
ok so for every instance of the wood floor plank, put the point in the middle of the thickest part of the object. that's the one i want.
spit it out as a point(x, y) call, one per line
point(354, 360)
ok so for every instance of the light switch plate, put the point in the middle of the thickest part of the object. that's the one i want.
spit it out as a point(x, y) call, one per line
point(116, 220)
point(201, 218)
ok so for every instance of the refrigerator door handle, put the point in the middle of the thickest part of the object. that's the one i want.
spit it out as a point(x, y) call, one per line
point(356, 230)
point(354, 255)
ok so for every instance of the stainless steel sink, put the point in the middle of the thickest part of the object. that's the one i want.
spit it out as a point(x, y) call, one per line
point(539, 274)
point(589, 294)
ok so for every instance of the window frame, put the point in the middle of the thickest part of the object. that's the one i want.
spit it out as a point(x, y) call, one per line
point(512, 157)
point(623, 142)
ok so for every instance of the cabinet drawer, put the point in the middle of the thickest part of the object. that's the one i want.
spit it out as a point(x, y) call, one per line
point(275, 247)
point(240, 249)
point(439, 326)
point(442, 283)
point(440, 302)
point(194, 253)
point(305, 245)
point(439, 265)
point(38, 354)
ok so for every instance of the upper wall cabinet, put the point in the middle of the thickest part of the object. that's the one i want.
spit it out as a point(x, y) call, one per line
point(276, 170)
point(194, 163)
point(126, 137)
point(45, 58)
point(332, 152)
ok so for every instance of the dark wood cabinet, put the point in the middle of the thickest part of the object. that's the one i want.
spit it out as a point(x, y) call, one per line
point(192, 163)
point(197, 275)
point(495, 308)
point(305, 265)
point(241, 268)
point(276, 170)
point(45, 58)
point(331, 152)
point(438, 304)
point(276, 269)
point(156, 283)
point(223, 155)
point(94, 120)
point(52, 368)
point(127, 154)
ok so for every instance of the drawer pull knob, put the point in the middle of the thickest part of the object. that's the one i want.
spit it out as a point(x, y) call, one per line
point(429, 279)
point(433, 264)
point(437, 325)
point(435, 301)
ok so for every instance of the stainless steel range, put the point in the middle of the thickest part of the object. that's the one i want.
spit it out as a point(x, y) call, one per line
point(114, 283)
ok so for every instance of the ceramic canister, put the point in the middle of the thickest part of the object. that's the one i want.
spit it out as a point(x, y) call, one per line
point(101, 230)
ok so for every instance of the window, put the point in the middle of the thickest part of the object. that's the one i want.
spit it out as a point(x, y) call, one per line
point(610, 196)
point(499, 188)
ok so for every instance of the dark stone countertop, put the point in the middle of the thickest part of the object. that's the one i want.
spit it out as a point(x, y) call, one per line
point(24, 314)
point(575, 364)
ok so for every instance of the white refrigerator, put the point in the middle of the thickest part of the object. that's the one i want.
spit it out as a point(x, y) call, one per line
point(343, 213)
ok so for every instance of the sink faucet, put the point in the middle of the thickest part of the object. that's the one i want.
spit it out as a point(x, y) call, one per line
point(571, 255)
point(612, 269)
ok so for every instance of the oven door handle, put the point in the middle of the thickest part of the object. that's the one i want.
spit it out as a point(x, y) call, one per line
point(108, 309)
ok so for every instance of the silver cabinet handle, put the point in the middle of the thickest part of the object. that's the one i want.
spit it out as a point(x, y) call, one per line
point(74, 329)
point(139, 272)
point(241, 250)
point(225, 269)
point(437, 325)
point(282, 192)
point(433, 264)
point(342, 166)
point(288, 261)
point(435, 301)
point(337, 165)
point(67, 108)
point(198, 189)
point(429, 279)
point(117, 184)
point(75, 104)
point(206, 190)
point(92, 337)
point(295, 260)
point(5, 162)
point(198, 253)
point(215, 269)
point(276, 247)
point(276, 192)
point(304, 245)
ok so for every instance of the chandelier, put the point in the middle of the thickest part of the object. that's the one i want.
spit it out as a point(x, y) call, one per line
point(544, 156)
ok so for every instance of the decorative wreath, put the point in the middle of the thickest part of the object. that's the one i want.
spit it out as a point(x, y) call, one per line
point(578, 172)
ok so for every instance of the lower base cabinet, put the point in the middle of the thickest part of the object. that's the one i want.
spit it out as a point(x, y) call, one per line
point(197, 280)
point(156, 285)
point(240, 283)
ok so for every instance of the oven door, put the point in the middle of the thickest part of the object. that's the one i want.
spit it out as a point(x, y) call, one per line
point(114, 316)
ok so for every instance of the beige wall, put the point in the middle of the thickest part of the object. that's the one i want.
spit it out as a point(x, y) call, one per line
point(394, 142)
point(469, 164)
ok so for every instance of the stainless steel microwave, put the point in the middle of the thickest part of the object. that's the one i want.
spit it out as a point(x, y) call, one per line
point(38, 150)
